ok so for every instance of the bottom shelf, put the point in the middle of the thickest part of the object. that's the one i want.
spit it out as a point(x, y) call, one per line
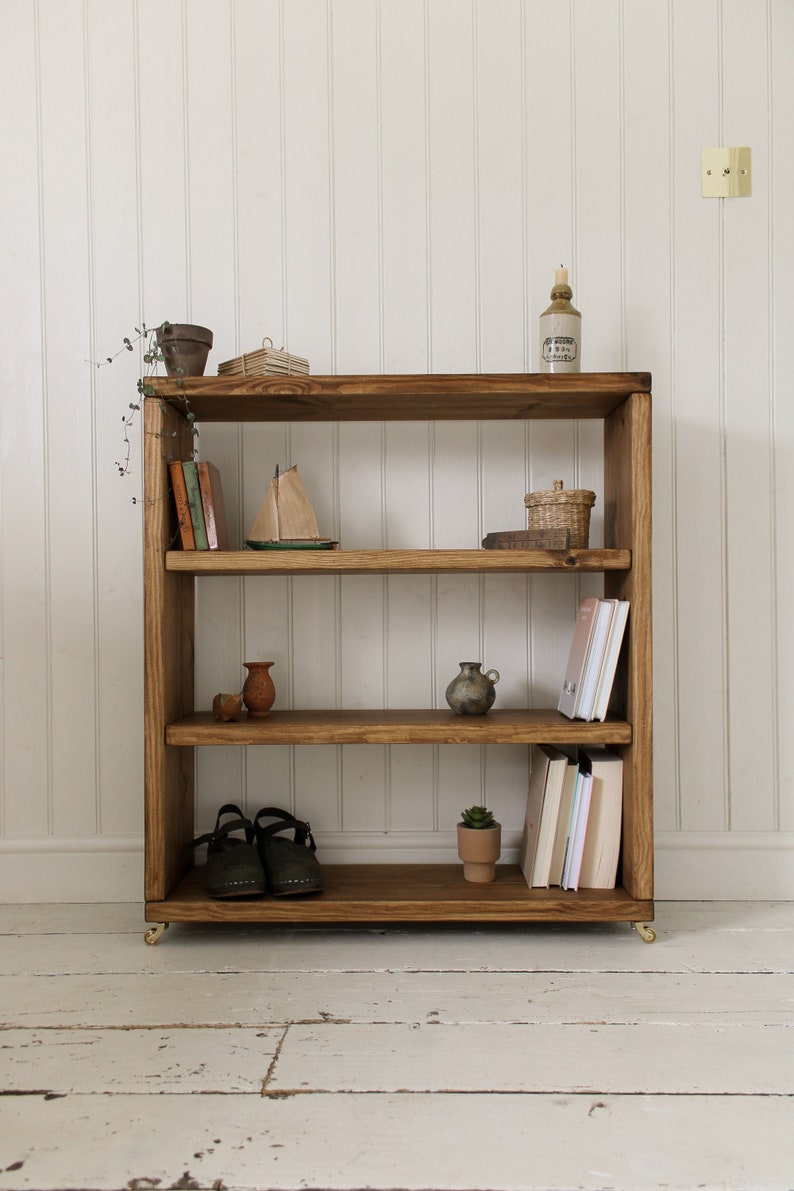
point(375, 893)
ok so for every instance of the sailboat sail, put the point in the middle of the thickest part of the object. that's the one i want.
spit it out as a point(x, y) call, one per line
point(286, 513)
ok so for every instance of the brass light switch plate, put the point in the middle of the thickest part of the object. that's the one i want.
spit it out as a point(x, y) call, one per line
point(726, 173)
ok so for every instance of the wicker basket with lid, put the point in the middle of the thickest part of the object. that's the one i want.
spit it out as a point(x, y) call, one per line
point(562, 509)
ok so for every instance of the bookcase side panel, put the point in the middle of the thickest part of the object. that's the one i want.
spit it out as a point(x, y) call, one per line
point(168, 671)
point(627, 498)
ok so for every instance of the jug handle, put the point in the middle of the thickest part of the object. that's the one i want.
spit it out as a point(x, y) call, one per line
point(493, 675)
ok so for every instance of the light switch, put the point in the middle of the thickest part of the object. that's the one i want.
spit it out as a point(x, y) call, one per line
point(725, 173)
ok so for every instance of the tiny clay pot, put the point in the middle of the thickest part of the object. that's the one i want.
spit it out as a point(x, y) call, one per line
point(227, 707)
point(258, 691)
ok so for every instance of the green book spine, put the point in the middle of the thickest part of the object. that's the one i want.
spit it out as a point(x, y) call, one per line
point(194, 500)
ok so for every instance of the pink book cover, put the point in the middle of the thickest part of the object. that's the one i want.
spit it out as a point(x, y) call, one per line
point(577, 658)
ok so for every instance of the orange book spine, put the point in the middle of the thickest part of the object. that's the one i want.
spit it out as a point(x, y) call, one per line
point(179, 489)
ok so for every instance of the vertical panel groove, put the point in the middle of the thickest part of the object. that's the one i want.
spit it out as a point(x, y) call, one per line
point(428, 191)
point(773, 476)
point(476, 190)
point(331, 182)
point(45, 413)
point(379, 173)
point(674, 578)
point(622, 118)
point(97, 556)
point(186, 161)
point(283, 163)
point(723, 435)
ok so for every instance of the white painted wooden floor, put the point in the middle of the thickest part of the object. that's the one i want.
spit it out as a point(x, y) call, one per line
point(530, 1058)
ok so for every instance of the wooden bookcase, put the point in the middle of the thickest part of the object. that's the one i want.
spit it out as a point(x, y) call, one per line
point(173, 727)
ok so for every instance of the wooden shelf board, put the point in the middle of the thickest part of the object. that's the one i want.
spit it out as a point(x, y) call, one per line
point(405, 562)
point(401, 726)
point(438, 397)
point(403, 893)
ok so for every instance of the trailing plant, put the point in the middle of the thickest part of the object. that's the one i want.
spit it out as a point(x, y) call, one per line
point(152, 357)
point(478, 817)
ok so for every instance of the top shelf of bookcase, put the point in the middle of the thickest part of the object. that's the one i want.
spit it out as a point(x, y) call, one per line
point(434, 397)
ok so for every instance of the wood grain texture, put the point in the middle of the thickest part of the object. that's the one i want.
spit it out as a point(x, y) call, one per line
point(437, 397)
point(168, 670)
point(383, 562)
point(407, 726)
point(627, 497)
point(404, 893)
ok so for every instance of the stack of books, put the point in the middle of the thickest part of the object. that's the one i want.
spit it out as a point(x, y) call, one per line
point(574, 814)
point(198, 498)
point(593, 658)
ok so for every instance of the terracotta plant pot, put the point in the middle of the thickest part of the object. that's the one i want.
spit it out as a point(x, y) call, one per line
point(479, 850)
point(185, 348)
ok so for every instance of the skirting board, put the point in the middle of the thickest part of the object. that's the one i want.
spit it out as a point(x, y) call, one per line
point(698, 866)
point(724, 866)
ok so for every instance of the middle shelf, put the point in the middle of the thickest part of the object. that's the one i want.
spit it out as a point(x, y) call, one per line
point(396, 562)
point(397, 726)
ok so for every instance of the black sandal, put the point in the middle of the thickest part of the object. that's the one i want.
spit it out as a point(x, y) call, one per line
point(233, 866)
point(290, 866)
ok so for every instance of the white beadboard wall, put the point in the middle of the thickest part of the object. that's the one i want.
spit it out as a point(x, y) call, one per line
point(388, 186)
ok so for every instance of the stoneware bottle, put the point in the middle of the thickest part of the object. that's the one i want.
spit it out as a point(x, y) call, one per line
point(472, 692)
point(258, 691)
point(561, 330)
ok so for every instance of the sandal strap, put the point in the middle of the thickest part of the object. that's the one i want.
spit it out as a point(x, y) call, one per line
point(303, 834)
point(218, 833)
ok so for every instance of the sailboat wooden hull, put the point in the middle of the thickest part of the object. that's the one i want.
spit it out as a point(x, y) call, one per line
point(293, 544)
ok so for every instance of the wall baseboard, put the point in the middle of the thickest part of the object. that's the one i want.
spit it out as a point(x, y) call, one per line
point(696, 866)
point(91, 869)
point(724, 866)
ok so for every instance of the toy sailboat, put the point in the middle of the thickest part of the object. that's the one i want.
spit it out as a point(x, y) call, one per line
point(286, 520)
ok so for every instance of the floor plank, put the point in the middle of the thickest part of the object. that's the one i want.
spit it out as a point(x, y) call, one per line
point(447, 1142)
point(643, 1059)
point(725, 947)
point(178, 1061)
point(272, 998)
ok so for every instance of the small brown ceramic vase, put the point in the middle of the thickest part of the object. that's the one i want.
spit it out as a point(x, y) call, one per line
point(258, 691)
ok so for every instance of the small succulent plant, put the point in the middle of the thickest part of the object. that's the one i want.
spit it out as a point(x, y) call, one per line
point(478, 817)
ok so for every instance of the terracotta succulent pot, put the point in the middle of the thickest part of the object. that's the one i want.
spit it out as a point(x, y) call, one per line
point(479, 850)
point(185, 348)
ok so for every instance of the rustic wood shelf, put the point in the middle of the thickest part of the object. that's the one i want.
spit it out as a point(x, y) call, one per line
point(392, 562)
point(173, 729)
point(404, 893)
point(396, 727)
point(438, 397)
